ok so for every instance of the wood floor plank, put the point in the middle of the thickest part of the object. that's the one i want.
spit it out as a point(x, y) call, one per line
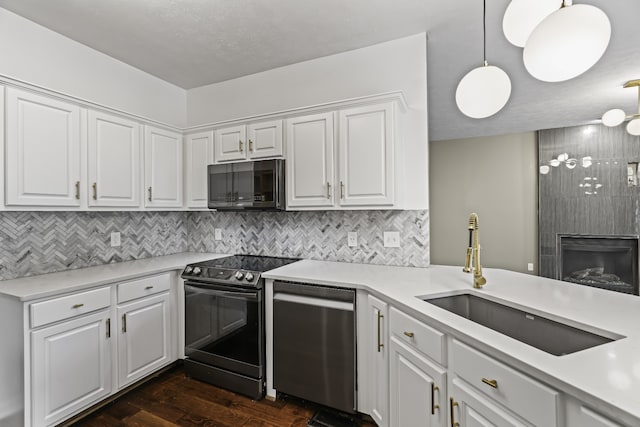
point(175, 400)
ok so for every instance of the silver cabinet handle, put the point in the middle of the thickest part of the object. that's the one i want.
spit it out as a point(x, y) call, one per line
point(95, 191)
point(78, 190)
point(150, 195)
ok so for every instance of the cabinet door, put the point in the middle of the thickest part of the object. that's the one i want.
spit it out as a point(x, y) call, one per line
point(231, 143)
point(43, 150)
point(143, 338)
point(70, 367)
point(114, 160)
point(469, 409)
point(377, 363)
point(265, 139)
point(163, 167)
point(310, 161)
point(367, 156)
point(417, 388)
point(199, 149)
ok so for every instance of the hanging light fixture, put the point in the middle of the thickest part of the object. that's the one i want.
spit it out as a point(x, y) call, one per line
point(567, 43)
point(522, 16)
point(483, 91)
point(617, 116)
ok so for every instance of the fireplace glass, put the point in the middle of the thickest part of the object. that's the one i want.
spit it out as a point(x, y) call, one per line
point(607, 262)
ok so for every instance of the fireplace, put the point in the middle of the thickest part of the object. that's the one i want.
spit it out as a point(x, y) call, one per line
point(607, 262)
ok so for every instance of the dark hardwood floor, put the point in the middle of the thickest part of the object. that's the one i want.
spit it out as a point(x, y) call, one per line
point(172, 400)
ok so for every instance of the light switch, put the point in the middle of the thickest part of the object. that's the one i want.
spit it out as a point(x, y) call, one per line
point(217, 234)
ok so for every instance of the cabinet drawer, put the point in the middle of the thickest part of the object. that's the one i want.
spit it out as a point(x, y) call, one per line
point(592, 419)
point(418, 335)
point(523, 395)
point(68, 306)
point(142, 287)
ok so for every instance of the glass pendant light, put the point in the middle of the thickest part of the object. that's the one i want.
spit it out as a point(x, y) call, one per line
point(633, 127)
point(567, 43)
point(522, 16)
point(617, 116)
point(483, 91)
point(613, 117)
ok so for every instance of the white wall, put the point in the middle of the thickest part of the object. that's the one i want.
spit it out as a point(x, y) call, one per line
point(39, 56)
point(397, 65)
point(497, 177)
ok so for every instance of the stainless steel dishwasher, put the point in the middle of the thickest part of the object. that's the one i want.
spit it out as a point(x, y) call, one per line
point(314, 348)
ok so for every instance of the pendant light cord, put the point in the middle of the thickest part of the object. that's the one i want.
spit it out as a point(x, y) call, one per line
point(484, 32)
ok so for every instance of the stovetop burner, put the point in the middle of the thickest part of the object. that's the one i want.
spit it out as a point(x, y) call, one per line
point(236, 270)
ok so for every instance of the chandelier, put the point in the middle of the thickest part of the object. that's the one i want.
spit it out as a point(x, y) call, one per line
point(617, 116)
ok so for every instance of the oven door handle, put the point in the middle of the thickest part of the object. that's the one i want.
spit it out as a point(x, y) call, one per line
point(222, 291)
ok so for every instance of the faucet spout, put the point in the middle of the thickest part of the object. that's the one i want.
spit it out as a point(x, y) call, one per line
point(473, 252)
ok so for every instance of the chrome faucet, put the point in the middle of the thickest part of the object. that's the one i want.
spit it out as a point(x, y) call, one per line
point(473, 250)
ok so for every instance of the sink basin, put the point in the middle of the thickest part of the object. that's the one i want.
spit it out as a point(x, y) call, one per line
point(547, 335)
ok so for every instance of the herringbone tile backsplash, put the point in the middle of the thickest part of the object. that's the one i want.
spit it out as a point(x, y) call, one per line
point(315, 235)
point(43, 242)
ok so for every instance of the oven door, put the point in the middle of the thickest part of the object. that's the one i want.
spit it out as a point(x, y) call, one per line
point(224, 327)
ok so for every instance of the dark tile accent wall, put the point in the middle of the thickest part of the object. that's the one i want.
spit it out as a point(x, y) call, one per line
point(44, 242)
point(564, 206)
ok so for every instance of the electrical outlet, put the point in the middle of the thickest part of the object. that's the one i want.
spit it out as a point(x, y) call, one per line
point(391, 239)
point(217, 234)
point(530, 266)
point(352, 239)
point(115, 239)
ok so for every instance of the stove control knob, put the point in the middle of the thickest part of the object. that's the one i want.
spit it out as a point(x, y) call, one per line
point(249, 277)
point(239, 275)
point(188, 270)
point(197, 270)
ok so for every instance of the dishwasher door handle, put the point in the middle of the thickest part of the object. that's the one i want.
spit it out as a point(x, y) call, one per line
point(317, 302)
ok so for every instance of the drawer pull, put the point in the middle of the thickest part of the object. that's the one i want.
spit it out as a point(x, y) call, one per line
point(409, 334)
point(77, 305)
point(380, 344)
point(148, 287)
point(434, 405)
point(490, 383)
point(109, 328)
point(453, 404)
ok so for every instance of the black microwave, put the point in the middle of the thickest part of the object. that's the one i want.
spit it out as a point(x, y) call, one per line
point(257, 185)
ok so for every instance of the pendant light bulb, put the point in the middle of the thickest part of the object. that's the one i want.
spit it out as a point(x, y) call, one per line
point(633, 127)
point(613, 117)
point(522, 16)
point(567, 43)
point(483, 92)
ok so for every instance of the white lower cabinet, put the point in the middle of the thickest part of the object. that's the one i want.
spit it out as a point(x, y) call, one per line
point(469, 409)
point(70, 367)
point(417, 388)
point(377, 361)
point(143, 338)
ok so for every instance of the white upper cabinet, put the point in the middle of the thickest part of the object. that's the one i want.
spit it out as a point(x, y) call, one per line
point(265, 139)
point(231, 143)
point(310, 151)
point(199, 152)
point(366, 153)
point(163, 168)
point(257, 140)
point(43, 150)
point(114, 161)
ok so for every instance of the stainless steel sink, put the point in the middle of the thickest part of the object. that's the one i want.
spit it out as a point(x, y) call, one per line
point(545, 334)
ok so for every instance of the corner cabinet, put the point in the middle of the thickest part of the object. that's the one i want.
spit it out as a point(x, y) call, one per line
point(42, 150)
point(199, 154)
point(114, 160)
point(162, 168)
point(377, 361)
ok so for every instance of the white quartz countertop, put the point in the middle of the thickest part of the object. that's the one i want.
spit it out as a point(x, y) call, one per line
point(46, 285)
point(605, 377)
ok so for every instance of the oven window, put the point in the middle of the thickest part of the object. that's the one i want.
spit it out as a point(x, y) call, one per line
point(223, 328)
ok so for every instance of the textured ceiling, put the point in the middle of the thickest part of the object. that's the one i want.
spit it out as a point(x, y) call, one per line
point(196, 42)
